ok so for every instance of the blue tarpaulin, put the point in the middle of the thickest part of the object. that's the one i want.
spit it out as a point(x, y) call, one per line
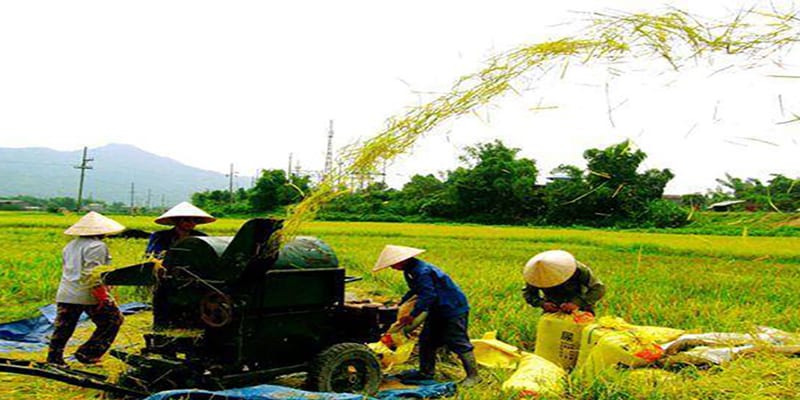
point(33, 334)
point(271, 392)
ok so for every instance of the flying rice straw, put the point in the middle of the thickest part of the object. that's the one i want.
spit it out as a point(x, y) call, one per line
point(674, 36)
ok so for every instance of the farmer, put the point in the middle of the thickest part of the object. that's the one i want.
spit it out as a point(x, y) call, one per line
point(556, 281)
point(77, 295)
point(183, 218)
point(440, 304)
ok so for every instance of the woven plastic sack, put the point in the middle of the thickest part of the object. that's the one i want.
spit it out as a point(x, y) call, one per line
point(388, 357)
point(536, 377)
point(619, 348)
point(605, 325)
point(558, 337)
point(492, 353)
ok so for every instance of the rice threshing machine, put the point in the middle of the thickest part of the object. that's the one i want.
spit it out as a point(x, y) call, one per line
point(233, 312)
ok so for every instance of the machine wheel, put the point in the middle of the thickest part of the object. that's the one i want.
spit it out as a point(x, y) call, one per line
point(345, 368)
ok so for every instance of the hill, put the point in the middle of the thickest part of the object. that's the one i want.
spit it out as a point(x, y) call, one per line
point(43, 172)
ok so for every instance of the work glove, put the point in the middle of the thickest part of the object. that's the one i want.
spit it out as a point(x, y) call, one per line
point(388, 341)
point(549, 307)
point(569, 308)
point(405, 320)
point(414, 324)
point(104, 299)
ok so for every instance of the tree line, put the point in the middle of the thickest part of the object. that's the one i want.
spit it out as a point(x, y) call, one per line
point(494, 185)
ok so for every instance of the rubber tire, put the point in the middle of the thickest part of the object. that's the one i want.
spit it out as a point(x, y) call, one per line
point(321, 374)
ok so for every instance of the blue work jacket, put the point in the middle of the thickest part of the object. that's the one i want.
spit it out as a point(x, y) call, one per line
point(161, 241)
point(436, 292)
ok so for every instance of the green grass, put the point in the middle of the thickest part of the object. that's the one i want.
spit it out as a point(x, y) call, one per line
point(695, 282)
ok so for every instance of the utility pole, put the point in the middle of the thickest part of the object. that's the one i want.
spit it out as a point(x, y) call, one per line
point(230, 183)
point(163, 203)
point(83, 167)
point(133, 190)
point(329, 152)
point(148, 199)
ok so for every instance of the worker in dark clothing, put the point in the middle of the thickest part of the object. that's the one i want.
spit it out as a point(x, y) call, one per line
point(556, 281)
point(440, 305)
point(184, 217)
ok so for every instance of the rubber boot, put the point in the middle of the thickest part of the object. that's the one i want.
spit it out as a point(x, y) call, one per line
point(427, 364)
point(56, 358)
point(471, 368)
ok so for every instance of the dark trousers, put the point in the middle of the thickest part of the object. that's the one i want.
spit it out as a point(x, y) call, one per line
point(107, 319)
point(438, 332)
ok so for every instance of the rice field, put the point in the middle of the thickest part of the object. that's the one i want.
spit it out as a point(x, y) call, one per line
point(700, 283)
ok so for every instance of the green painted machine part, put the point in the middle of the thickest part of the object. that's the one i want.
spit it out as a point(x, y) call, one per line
point(259, 313)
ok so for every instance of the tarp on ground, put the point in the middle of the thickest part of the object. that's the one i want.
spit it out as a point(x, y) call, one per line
point(273, 392)
point(33, 334)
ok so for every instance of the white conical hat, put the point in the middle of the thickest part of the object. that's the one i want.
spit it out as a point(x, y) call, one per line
point(549, 268)
point(93, 224)
point(185, 209)
point(392, 255)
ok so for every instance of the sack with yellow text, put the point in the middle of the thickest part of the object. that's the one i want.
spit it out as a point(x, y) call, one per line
point(558, 337)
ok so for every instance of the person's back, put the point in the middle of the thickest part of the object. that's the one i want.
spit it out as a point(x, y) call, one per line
point(78, 294)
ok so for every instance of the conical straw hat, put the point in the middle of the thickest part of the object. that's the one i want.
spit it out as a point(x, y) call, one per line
point(184, 209)
point(549, 268)
point(93, 224)
point(392, 255)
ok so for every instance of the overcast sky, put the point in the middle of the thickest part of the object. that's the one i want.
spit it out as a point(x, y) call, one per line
point(214, 83)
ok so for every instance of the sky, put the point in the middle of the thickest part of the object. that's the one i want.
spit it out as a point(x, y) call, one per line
point(251, 82)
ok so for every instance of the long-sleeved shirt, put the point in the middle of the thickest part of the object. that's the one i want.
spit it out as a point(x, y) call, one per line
point(80, 257)
point(161, 241)
point(436, 292)
point(583, 289)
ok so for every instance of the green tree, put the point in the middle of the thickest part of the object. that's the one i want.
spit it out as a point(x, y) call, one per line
point(619, 190)
point(568, 197)
point(423, 195)
point(273, 190)
point(495, 186)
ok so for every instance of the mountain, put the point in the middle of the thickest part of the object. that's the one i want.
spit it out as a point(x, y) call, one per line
point(43, 172)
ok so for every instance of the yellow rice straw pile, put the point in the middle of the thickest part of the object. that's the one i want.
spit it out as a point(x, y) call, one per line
point(674, 36)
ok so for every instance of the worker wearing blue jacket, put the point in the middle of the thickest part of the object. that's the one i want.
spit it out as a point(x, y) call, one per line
point(440, 304)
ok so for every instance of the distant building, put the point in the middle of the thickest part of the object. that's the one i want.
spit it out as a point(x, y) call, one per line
point(675, 198)
point(96, 207)
point(724, 205)
point(13, 204)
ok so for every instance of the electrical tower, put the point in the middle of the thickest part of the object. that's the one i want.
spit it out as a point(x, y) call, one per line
point(329, 152)
point(230, 184)
point(83, 167)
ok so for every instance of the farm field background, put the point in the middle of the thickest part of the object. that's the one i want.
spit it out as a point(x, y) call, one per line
point(696, 282)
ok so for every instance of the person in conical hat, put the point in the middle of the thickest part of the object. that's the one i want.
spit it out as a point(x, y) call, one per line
point(556, 281)
point(183, 218)
point(440, 304)
point(77, 295)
